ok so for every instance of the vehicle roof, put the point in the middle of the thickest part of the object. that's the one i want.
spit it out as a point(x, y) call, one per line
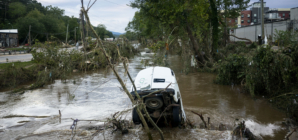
point(145, 78)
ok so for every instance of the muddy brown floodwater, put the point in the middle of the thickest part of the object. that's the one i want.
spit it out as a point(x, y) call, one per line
point(97, 95)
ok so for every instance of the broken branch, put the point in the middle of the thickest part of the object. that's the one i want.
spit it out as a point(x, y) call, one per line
point(202, 118)
point(242, 38)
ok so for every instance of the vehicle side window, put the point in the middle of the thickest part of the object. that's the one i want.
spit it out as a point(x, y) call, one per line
point(172, 72)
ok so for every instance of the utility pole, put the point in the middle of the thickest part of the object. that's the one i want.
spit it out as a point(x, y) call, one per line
point(262, 6)
point(29, 41)
point(75, 34)
point(271, 31)
point(66, 35)
point(294, 25)
point(256, 35)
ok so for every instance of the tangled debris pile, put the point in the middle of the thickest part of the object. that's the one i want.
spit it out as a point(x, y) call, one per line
point(50, 62)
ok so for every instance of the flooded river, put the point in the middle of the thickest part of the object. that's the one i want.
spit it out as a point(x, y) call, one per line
point(96, 95)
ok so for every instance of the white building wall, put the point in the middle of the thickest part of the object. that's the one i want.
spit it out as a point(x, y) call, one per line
point(294, 14)
point(252, 32)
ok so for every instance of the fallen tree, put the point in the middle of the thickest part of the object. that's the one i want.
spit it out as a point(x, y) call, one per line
point(241, 38)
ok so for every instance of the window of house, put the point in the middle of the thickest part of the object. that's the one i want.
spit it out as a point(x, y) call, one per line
point(248, 15)
point(242, 15)
point(248, 21)
point(255, 20)
point(236, 20)
point(255, 15)
point(283, 14)
point(229, 20)
point(242, 21)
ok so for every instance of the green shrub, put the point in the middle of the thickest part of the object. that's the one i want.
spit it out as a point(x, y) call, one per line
point(231, 70)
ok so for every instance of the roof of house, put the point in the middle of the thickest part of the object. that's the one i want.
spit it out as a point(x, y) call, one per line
point(283, 9)
point(13, 31)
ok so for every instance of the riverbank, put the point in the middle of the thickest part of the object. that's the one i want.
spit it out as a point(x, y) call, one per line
point(50, 63)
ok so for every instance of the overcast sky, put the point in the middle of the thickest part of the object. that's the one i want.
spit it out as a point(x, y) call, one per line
point(279, 3)
point(115, 15)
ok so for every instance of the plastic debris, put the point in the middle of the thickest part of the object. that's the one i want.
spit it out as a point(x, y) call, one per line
point(74, 124)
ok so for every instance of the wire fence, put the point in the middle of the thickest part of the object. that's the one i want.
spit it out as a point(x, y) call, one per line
point(252, 32)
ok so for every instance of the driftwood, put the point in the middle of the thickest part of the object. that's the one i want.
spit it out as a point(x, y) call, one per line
point(242, 38)
point(202, 118)
point(288, 136)
point(120, 124)
point(244, 132)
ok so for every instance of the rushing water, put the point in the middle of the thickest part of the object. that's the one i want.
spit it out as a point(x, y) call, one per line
point(97, 95)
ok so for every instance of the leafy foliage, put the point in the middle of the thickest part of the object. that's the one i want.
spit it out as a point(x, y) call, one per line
point(45, 21)
point(231, 70)
point(266, 72)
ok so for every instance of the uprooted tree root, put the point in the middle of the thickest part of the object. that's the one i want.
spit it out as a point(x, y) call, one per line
point(119, 124)
point(242, 132)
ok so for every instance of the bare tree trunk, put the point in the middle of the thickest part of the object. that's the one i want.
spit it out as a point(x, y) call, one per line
point(214, 24)
point(83, 35)
point(99, 43)
point(195, 45)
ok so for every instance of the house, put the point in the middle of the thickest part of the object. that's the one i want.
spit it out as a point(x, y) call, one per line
point(284, 13)
point(9, 38)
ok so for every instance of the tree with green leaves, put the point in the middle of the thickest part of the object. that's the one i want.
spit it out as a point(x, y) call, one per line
point(102, 31)
point(189, 16)
point(16, 9)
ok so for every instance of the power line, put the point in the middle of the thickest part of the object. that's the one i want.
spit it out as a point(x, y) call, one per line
point(115, 3)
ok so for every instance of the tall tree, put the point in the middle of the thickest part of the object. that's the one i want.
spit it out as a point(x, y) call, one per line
point(189, 15)
point(17, 9)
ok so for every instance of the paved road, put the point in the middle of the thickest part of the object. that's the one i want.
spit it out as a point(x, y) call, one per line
point(14, 58)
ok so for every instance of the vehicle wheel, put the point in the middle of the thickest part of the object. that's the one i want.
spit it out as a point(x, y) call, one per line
point(135, 117)
point(176, 116)
point(154, 102)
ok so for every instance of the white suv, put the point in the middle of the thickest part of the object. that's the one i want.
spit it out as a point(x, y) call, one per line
point(166, 103)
